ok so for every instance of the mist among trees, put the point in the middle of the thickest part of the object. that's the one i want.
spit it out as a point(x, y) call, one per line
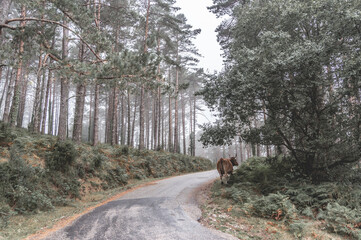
point(112, 71)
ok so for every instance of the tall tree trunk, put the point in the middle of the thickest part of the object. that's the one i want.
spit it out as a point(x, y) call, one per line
point(184, 126)
point(79, 112)
point(142, 92)
point(23, 94)
point(108, 122)
point(46, 100)
point(96, 115)
point(163, 127)
point(176, 126)
point(160, 112)
point(194, 126)
point(8, 97)
point(141, 118)
point(79, 104)
point(64, 85)
point(122, 121)
point(133, 124)
point(36, 105)
point(16, 97)
point(52, 114)
point(90, 136)
point(147, 119)
point(39, 113)
point(114, 121)
point(170, 130)
point(129, 120)
point(6, 84)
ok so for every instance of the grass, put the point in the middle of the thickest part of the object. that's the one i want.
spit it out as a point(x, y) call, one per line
point(223, 214)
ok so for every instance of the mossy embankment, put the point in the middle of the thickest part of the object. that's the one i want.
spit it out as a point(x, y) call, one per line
point(39, 174)
point(268, 199)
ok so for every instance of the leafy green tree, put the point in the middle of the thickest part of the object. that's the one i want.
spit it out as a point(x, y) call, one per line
point(297, 62)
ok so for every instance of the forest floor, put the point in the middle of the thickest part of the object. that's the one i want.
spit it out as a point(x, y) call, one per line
point(221, 214)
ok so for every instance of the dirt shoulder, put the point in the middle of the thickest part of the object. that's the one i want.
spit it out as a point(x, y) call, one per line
point(219, 213)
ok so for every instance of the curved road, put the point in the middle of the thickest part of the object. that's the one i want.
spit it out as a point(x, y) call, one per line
point(164, 210)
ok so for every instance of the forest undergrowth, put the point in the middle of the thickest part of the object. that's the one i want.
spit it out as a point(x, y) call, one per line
point(38, 173)
point(266, 197)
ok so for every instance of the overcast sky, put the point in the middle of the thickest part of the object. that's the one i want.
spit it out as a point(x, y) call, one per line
point(199, 17)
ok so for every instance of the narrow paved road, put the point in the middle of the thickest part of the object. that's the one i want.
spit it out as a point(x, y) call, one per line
point(165, 210)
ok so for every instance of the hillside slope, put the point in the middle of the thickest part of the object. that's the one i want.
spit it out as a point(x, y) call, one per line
point(38, 173)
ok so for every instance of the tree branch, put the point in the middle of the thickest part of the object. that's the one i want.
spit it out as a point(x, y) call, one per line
point(52, 22)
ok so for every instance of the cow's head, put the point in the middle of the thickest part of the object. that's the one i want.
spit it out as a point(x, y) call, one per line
point(234, 161)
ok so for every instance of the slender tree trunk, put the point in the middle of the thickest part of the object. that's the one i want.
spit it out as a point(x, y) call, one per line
point(184, 126)
point(23, 94)
point(6, 84)
point(16, 97)
point(147, 120)
point(194, 126)
point(108, 122)
point(79, 104)
point(176, 126)
point(79, 112)
point(90, 136)
point(46, 100)
point(142, 92)
point(114, 126)
point(52, 115)
point(133, 125)
point(122, 121)
point(163, 127)
point(39, 113)
point(159, 119)
point(129, 120)
point(170, 137)
point(8, 98)
point(96, 115)
point(64, 85)
point(154, 123)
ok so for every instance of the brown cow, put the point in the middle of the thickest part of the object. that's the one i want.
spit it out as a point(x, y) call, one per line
point(225, 167)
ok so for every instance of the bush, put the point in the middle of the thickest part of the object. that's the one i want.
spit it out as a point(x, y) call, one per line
point(260, 189)
point(341, 219)
point(275, 206)
point(62, 156)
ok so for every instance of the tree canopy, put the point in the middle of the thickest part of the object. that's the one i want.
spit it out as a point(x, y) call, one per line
point(297, 65)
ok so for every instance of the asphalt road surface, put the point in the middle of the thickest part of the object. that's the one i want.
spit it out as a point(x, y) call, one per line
point(164, 210)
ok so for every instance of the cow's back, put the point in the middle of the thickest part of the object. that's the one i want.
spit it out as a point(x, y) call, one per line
point(224, 166)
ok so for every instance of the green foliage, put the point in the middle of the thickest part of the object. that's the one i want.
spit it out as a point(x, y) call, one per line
point(115, 177)
point(288, 63)
point(62, 156)
point(6, 134)
point(261, 188)
point(344, 220)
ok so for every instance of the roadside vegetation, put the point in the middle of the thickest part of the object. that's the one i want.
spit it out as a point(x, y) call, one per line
point(38, 173)
point(268, 199)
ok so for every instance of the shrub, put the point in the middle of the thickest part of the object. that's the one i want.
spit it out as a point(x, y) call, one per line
point(98, 160)
point(341, 219)
point(62, 156)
